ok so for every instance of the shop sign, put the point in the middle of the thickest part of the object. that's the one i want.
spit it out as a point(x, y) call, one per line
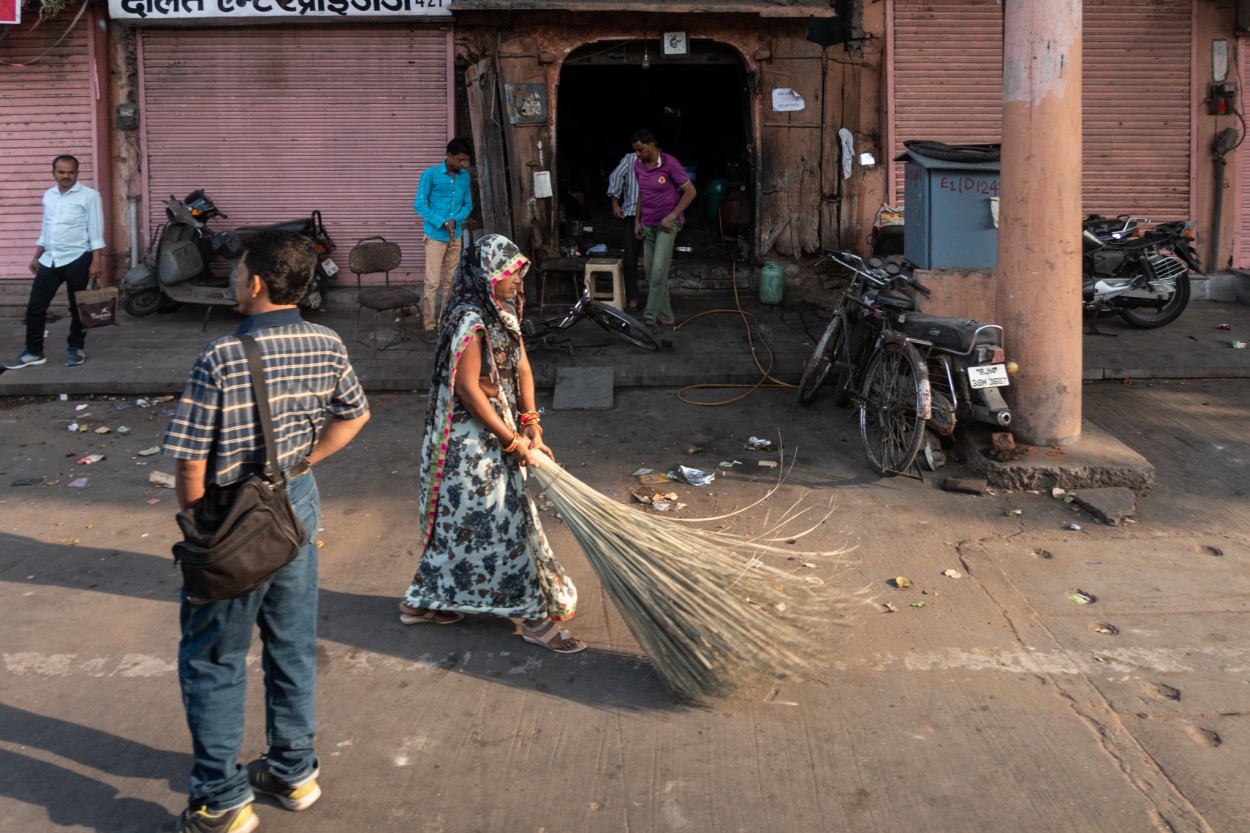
point(156, 10)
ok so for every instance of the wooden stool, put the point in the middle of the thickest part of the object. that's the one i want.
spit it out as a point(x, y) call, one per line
point(602, 268)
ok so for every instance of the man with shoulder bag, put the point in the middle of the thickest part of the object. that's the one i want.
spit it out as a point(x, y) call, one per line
point(313, 402)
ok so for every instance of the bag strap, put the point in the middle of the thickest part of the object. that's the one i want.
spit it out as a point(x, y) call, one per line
point(256, 365)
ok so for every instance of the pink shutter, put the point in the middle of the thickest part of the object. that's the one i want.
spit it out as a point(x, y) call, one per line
point(276, 121)
point(47, 110)
point(947, 68)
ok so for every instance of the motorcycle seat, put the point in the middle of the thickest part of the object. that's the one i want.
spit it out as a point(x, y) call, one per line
point(955, 334)
point(302, 226)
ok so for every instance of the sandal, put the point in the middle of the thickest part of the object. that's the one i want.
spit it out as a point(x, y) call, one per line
point(553, 633)
point(438, 617)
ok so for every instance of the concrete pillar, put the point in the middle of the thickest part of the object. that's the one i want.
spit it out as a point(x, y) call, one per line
point(1039, 257)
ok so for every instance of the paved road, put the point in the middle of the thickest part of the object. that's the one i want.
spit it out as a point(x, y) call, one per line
point(995, 706)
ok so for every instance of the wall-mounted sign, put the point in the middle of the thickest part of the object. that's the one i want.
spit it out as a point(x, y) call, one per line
point(675, 43)
point(156, 10)
point(786, 100)
point(527, 103)
point(10, 11)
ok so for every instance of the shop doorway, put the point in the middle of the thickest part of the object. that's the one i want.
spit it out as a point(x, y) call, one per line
point(698, 106)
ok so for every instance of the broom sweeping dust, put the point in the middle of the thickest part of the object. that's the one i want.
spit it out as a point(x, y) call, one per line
point(709, 613)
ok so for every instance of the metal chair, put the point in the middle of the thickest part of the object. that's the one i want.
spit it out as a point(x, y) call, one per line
point(375, 254)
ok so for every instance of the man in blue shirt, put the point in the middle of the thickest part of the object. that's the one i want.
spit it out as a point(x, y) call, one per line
point(444, 203)
point(69, 251)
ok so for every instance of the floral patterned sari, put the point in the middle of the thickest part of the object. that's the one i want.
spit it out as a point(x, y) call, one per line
point(484, 550)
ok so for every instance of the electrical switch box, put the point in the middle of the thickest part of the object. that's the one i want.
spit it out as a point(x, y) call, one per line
point(1221, 98)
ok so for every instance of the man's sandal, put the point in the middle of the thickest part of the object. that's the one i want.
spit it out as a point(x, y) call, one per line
point(546, 640)
point(438, 617)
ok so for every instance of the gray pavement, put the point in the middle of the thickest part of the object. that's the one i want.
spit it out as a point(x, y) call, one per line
point(719, 339)
point(989, 702)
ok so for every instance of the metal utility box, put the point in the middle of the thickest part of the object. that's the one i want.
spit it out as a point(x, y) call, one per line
point(950, 213)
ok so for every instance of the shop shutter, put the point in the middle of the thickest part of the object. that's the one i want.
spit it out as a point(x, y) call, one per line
point(1241, 164)
point(947, 61)
point(1137, 108)
point(48, 110)
point(947, 67)
point(274, 122)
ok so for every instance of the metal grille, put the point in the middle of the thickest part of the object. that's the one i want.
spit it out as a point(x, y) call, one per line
point(1167, 268)
point(274, 122)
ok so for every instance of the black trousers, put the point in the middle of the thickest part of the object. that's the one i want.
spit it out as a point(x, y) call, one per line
point(47, 281)
point(630, 256)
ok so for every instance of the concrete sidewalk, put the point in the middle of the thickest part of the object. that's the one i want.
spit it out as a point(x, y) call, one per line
point(714, 343)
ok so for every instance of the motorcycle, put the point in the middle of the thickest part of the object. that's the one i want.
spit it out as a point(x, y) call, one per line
point(913, 377)
point(1141, 276)
point(177, 268)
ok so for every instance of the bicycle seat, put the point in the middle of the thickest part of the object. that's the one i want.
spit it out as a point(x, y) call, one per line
point(954, 334)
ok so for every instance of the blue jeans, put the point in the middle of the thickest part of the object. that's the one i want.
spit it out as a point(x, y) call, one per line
point(213, 672)
point(657, 254)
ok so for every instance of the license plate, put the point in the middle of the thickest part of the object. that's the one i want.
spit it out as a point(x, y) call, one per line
point(331, 268)
point(988, 376)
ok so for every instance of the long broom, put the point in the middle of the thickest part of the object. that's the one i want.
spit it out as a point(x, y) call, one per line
point(709, 613)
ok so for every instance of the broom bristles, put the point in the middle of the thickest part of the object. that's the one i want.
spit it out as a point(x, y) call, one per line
point(705, 609)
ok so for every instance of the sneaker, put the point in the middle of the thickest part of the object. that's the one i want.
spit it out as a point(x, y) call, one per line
point(24, 359)
point(238, 820)
point(76, 357)
point(298, 796)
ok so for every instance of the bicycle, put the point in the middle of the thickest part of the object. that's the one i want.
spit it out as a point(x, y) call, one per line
point(543, 331)
point(907, 373)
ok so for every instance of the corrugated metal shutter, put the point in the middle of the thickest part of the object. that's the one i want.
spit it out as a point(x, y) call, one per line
point(1241, 243)
point(47, 110)
point(1137, 108)
point(947, 68)
point(274, 122)
point(948, 74)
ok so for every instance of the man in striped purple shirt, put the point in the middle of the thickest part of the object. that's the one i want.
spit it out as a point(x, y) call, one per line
point(318, 407)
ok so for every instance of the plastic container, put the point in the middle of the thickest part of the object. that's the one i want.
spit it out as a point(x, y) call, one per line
point(714, 191)
point(772, 283)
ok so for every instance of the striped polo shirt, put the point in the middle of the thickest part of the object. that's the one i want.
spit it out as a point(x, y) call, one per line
point(308, 376)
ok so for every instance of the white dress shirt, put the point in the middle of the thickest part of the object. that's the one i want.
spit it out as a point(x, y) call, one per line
point(73, 224)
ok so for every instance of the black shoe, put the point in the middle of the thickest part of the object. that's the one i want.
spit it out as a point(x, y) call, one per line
point(296, 797)
point(238, 820)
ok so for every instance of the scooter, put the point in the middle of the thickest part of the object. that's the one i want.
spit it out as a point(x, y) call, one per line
point(178, 266)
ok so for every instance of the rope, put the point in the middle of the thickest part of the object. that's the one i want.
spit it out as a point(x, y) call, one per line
point(749, 320)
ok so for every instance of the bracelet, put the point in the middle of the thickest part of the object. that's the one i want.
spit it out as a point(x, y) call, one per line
point(530, 417)
point(516, 438)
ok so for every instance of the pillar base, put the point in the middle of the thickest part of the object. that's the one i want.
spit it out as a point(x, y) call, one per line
point(1097, 459)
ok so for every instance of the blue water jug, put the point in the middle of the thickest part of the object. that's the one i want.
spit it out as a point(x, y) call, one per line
point(772, 283)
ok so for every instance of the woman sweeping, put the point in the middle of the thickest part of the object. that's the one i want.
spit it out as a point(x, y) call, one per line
point(484, 550)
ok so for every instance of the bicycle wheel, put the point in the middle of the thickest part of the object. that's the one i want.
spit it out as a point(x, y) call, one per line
point(821, 364)
point(891, 423)
point(621, 325)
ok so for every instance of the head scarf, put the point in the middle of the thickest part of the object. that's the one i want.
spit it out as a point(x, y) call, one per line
point(485, 263)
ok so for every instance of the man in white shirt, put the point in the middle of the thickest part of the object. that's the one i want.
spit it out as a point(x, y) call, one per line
point(69, 251)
